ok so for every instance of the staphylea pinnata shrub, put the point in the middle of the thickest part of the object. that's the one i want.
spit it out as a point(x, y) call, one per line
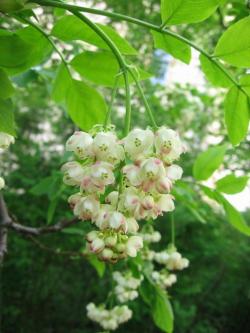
point(5, 141)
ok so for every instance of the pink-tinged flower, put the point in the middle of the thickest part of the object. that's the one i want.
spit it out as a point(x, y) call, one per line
point(148, 202)
point(134, 244)
point(102, 218)
point(6, 140)
point(107, 148)
point(163, 185)
point(132, 174)
point(87, 208)
point(74, 173)
point(174, 172)
point(168, 144)
point(117, 220)
point(165, 203)
point(130, 201)
point(152, 169)
point(74, 199)
point(138, 143)
point(97, 245)
point(81, 144)
point(102, 174)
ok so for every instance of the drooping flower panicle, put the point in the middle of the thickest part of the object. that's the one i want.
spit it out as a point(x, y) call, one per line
point(121, 182)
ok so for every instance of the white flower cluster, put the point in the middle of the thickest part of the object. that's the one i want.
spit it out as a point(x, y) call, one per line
point(151, 237)
point(5, 141)
point(109, 319)
point(163, 278)
point(172, 260)
point(121, 182)
point(126, 285)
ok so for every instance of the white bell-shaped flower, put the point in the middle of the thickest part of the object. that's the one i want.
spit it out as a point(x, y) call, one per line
point(132, 174)
point(74, 173)
point(165, 203)
point(74, 199)
point(6, 140)
point(138, 143)
point(102, 174)
point(107, 148)
point(132, 225)
point(134, 244)
point(152, 169)
point(81, 144)
point(174, 172)
point(168, 144)
point(117, 220)
point(87, 208)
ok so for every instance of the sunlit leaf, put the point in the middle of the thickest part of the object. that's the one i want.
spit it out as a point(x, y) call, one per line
point(6, 87)
point(236, 115)
point(85, 105)
point(187, 11)
point(72, 28)
point(231, 184)
point(102, 68)
point(208, 161)
point(177, 48)
point(234, 45)
point(7, 122)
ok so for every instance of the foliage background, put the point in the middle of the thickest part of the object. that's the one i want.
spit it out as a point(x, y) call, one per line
point(46, 292)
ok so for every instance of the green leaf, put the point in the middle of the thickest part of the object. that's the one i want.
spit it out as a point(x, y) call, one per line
point(234, 45)
point(207, 162)
point(14, 51)
point(245, 83)
point(231, 184)
point(6, 89)
point(72, 28)
point(23, 50)
point(187, 11)
point(173, 46)
point(98, 265)
point(159, 304)
point(102, 68)
point(234, 217)
point(61, 84)
point(43, 187)
point(85, 105)
point(162, 311)
point(213, 73)
point(236, 115)
point(7, 122)
point(41, 47)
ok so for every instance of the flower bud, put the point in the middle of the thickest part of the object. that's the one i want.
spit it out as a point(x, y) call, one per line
point(92, 235)
point(134, 244)
point(97, 245)
point(174, 172)
point(106, 254)
point(132, 225)
point(111, 241)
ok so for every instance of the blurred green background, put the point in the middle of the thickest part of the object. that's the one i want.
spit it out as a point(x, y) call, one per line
point(45, 291)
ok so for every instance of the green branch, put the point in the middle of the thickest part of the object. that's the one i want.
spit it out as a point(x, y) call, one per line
point(144, 24)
